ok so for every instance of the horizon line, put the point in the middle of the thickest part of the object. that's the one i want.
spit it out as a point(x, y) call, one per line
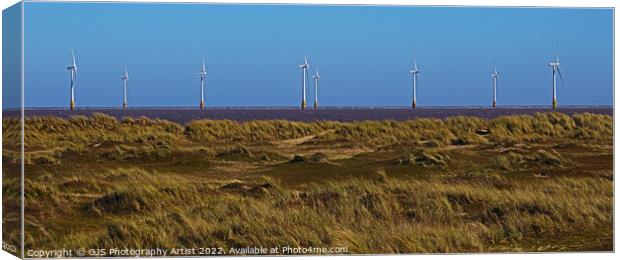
point(308, 109)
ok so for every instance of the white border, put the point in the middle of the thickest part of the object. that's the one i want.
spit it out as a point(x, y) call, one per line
point(522, 3)
point(22, 195)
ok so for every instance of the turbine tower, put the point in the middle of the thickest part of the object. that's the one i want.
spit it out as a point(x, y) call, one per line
point(304, 79)
point(73, 70)
point(316, 78)
point(203, 80)
point(495, 76)
point(414, 74)
point(555, 68)
point(125, 77)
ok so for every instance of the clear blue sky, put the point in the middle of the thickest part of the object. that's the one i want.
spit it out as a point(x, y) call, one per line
point(363, 53)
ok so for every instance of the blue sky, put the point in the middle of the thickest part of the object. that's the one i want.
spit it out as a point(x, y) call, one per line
point(363, 53)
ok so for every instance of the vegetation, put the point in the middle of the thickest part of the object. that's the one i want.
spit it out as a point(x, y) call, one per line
point(516, 183)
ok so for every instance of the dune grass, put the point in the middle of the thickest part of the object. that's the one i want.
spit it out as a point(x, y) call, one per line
point(462, 184)
point(57, 137)
point(140, 209)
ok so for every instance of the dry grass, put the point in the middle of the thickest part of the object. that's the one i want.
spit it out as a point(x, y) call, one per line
point(425, 185)
point(545, 159)
point(52, 132)
point(143, 209)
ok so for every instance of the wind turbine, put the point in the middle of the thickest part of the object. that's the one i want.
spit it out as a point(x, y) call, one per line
point(73, 70)
point(316, 78)
point(304, 79)
point(555, 68)
point(124, 78)
point(494, 76)
point(414, 74)
point(203, 80)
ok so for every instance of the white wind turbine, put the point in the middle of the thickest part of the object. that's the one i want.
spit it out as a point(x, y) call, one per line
point(494, 76)
point(125, 78)
point(414, 74)
point(203, 80)
point(73, 70)
point(316, 78)
point(304, 79)
point(555, 68)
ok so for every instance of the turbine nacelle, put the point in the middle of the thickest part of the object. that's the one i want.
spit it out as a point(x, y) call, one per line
point(305, 65)
point(203, 70)
point(555, 63)
point(415, 69)
point(74, 66)
point(126, 75)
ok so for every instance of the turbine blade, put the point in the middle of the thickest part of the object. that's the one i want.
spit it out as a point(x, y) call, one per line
point(203, 63)
point(557, 50)
point(73, 56)
point(561, 78)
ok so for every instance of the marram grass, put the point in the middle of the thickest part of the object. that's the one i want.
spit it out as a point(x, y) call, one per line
point(464, 184)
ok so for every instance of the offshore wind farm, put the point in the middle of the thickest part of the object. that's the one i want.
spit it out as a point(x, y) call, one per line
point(210, 125)
point(239, 113)
point(335, 113)
point(302, 113)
